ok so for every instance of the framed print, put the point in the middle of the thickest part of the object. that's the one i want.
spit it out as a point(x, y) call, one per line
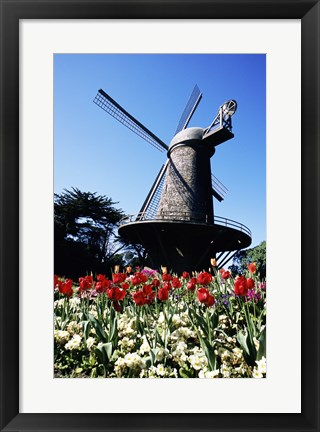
point(41, 45)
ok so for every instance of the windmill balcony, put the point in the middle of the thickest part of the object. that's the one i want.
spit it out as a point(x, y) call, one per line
point(185, 217)
point(184, 241)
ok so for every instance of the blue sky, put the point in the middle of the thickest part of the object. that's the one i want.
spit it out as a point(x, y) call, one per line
point(95, 153)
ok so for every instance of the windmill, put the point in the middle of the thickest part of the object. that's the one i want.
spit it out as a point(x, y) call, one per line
point(176, 223)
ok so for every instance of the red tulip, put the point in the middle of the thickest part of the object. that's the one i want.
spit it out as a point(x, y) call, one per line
point(119, 277)
point(186, 275)
point(150, 297)
point(252, 267)
point(103, 284)
point(167, 286)
point(66, 287)
point(191, 285)
point(156, 283)
point(138, 278)
point(116, 293)
point(176, 283)
point(205, 297)
point(166, 277)
point(241, 285)
point(163, 294)
point(147, 289)
point(210, 300)
point(250, 283)
point(85, 283)
point(225, 274)
point(204, 278)
point(139, 298)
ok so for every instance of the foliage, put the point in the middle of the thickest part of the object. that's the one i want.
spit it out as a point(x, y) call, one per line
point(155, 325)
point(84, 228)
point(245, 256)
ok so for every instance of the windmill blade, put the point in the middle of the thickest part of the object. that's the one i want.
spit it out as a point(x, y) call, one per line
point(109, 105)
point(151, 204)
point(190, 108)
point(219, 191)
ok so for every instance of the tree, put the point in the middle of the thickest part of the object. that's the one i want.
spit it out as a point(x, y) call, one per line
point(243, 257)
point(85, 236)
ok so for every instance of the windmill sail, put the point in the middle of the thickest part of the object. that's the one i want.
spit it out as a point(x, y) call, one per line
point(109, 105)
point(190, 108)
point(151, 204)
point(219, 191)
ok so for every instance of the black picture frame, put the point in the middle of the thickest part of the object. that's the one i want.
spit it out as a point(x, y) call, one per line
point(11, 12)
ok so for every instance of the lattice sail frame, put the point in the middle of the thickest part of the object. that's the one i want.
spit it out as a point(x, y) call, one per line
point(110, 106)
point(190, 108)
point(150, 206)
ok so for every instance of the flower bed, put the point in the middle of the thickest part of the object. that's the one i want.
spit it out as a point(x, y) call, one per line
point(152, 325)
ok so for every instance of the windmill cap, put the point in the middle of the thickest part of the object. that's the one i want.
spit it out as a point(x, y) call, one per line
point(194, 133)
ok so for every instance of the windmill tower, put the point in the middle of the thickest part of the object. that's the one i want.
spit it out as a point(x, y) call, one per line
point(177, 224)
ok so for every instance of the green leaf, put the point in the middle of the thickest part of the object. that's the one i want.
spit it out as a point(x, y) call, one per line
point(153, 355)
point(85, 329)
point(104, 353)
point(209, 352)
point(248, 347)
point(107, 349)
point(262, 345)
point(157, 335)
point(214, 320)
point(148, 362)
point(185, 373)
point(98, 328)
point(100, 355)
point(114, 332)
point(199, 321)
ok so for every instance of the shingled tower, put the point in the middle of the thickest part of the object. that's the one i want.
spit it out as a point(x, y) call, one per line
point(187, 189)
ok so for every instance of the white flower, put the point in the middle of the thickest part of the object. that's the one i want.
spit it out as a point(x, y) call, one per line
point(61, 336)
point(225, 370)
point(256, 373)
point(241, 370)
point(256, 343)
point(90, 342)
point(160, 370)
point(176, 320)
point(126, 344)
point(119, 366)
point(73, 327)
point(74, 302)
point(73, 343)
point(126, 326)
point(197, 362)
point(59, 302)
point(162, 353)
point(145, 347)
point(262, 365)
point(237, 353)
point(212, 374)
point(202, 374)
point(161, 318)
point(133, 360)
point(224, 354)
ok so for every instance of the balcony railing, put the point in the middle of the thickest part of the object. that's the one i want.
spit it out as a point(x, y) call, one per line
point(186, 217)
